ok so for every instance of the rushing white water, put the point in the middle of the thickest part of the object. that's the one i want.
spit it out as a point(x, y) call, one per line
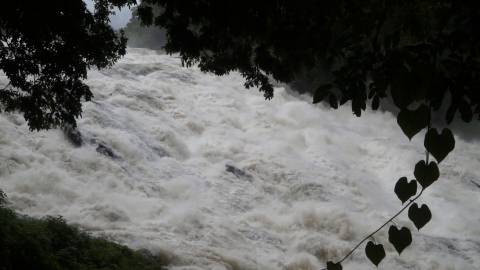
point(197, 167)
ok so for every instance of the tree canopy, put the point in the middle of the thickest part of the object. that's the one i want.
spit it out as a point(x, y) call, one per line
point(46, 48)
point(422, 51)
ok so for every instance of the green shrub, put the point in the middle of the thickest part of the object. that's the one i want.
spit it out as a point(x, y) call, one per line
point(51, 244)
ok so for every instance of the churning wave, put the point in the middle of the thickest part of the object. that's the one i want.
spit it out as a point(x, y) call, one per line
point(194, 166)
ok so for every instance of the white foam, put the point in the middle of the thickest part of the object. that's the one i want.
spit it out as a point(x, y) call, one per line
point(315, 180)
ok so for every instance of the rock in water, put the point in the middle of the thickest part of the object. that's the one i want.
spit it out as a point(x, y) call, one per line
point(105, 150)
point(73, 135)
point(238, 172)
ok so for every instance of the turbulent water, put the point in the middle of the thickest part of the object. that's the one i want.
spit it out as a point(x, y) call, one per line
point(198, 168)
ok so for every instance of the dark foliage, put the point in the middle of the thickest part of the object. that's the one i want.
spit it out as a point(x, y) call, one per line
point(414, 51)
point(375, 252)
point(51, 244)
point(3, 198)
point(439, 145)
point(404, 189)
point(46, 48)
point(420, 216)
point(400, 239)
point(426, 174)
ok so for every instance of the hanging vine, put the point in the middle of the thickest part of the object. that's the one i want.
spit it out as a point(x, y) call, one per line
point(426, 172)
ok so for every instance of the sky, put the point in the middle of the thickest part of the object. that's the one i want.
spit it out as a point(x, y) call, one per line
point(121, 17)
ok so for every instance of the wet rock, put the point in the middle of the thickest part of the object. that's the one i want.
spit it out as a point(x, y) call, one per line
point(475, 183)
point(105, 150)
point(73, 136)
point(160, 151)
point(238, 172)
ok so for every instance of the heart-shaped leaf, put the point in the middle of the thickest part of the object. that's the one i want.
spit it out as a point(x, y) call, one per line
point(419, 216)
point(439, 145)
point(426, 175)
point(405, 189)
point(375, 253)
point(411, 122)
point(332, 99)
point(400, 239)
point(334, 266)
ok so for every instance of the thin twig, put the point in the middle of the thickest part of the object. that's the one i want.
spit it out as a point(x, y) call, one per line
point(389, 220)
point(381, 227)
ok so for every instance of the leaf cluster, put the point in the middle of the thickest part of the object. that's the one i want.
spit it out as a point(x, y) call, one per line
point(425, 172)
point(46, 48)
point(412, 51)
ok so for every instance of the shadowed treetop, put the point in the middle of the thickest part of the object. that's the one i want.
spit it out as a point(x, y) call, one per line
point(46, 48)
point(421, 51)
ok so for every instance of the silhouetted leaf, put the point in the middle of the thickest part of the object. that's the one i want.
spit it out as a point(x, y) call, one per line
point(452, 109)
point(402, 87)
point(145, 12)
point(419, 216)
point(426, 175)
point(372, 91)
point(321, 92)
point(344, 99)
point(375, 103)
point(405, 189)
point(439, 145)
point(398, 63)
point(375, 253)
point(465, 111)
point(333, 101)
point(333, 266)
point(357, 106)
point(411, 122)
point(400, 239)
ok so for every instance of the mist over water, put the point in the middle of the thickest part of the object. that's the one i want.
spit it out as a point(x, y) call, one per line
point(118, 19)
point(195, 166)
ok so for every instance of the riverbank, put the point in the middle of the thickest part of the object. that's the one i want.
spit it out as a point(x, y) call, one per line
point(50, 243)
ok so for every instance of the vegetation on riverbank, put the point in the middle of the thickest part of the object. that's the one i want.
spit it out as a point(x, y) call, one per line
point(50, 243)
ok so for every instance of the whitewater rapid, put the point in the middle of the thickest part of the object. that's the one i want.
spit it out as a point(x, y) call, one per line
point(210, 174)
